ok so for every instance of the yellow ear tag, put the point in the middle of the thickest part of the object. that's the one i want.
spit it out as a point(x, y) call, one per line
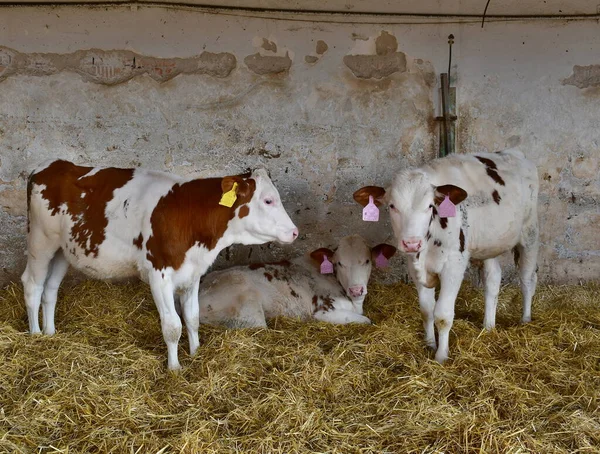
point(229, 197)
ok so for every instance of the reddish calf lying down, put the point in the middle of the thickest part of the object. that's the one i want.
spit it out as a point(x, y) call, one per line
point(115, 223)
point(246, 296)
point(495, 199)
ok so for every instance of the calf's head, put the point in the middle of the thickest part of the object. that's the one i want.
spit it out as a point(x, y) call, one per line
point(413, 203)
point(260, 213)
point(353, 260)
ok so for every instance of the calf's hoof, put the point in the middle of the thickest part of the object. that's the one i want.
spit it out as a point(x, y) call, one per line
point(441, 357)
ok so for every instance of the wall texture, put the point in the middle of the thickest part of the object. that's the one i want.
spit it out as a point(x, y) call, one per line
point(326, 106)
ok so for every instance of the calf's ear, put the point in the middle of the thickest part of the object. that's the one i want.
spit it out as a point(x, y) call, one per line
point(318, 255)
point(385, 249)
point(244, 190)
point(454, 193)
point(362, 195)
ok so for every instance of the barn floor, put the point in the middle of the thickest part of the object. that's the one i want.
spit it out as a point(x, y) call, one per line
point(101, 385)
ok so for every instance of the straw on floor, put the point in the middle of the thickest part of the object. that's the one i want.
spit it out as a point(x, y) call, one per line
point(101, 385)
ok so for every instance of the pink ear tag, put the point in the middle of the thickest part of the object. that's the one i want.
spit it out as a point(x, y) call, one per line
point(370, 211)
point(381, 261)
point(447, 209)
point(326, 266)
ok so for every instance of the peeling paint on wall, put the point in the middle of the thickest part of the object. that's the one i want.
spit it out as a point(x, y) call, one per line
point(384, 63)
point(268, 64)
point(584, 76)
point(321, 47)
point(269, 45)
point(114, 66)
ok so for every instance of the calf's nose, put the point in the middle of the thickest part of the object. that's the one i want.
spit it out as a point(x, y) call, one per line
point(295, 233)
point(357, 290)
point(411, 245)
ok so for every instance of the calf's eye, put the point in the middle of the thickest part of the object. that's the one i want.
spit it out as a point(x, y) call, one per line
point(268, 201)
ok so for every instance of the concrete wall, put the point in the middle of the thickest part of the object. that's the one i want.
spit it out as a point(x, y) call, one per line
point(326, 106)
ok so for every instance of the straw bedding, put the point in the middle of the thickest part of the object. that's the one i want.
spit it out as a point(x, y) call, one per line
point(101, 385)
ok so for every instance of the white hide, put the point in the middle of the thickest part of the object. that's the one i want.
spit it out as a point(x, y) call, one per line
point(245, 296)
point(51, 249)
point(499, 214)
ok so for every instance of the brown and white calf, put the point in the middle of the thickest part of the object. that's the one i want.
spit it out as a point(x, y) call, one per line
point(167, 230)
point(246, 296)
point(495, 195)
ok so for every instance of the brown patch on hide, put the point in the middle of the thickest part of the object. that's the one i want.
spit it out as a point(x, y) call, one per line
point(461, 238)
point(85, 198)
point(244, 211)
point(269, 276)
point(491, 169)
point(437, 243)
point(139, 241)
point(496, 197)
point(326, 303)
point(444, 222)
point(190, 214)
point(315, 300)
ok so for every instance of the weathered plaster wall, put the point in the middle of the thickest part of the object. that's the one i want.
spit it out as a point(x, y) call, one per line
point(325, 106)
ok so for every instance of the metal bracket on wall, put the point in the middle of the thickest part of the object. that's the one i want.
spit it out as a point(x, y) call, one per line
point(448, 117)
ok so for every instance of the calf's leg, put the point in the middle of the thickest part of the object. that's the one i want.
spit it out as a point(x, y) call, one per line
point(162, 292)
point(450, 280)
point(191, 315)
point(340, 317)
point(493, 276)
point(527, 261)
point(427, 304)
point(58, 269)
point(40, 252)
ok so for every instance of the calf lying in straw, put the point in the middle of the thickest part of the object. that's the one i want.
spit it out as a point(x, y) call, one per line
point(246, 296)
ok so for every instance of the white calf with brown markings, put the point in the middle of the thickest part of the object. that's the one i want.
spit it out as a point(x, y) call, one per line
point(246, 296)
point(167, 230)
point(495, 195)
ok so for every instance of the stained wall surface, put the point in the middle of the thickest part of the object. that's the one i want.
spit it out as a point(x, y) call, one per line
point(327, 106)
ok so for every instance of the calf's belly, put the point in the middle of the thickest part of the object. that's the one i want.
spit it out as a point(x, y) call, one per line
point(111, 261)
